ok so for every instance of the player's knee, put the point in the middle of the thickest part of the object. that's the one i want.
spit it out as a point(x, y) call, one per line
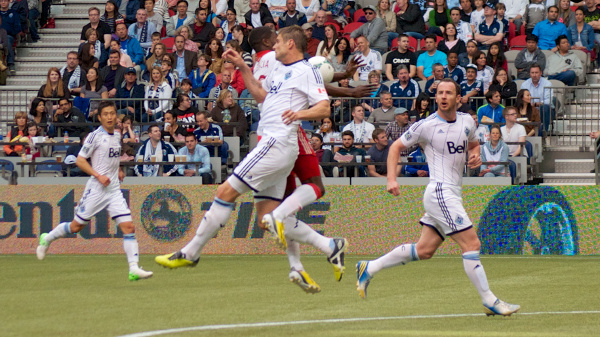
point(76, 227)
point(425, 255)
point(226, 192)
point(127, 227)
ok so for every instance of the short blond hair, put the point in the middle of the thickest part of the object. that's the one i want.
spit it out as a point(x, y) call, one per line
point(222, 96)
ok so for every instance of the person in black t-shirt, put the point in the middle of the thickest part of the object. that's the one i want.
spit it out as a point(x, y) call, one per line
point(101, 27)
point(400, 56)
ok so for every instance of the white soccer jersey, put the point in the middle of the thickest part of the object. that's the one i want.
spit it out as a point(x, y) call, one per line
point(265, 61)
point(372, 62)
point(445, 145)
point(105, 151)
point(289, 87)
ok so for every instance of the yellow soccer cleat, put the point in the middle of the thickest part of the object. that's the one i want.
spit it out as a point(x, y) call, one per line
point(174, 260)
point(303, 280)
point(276, 228)
point(337, 257)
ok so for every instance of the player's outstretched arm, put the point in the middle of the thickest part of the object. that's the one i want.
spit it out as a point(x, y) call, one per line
point(358, 92)
point(351, 67)
point(316, 112)
point(392, 163)
point(474, 155)
point(83, 164)
point(252, 84)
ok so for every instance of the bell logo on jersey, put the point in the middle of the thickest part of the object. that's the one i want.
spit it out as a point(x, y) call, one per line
point(114, 152)
point(452, 149)
point(275, 88)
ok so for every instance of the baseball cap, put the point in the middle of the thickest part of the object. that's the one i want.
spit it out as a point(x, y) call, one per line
point(472, 66)
point(307, 26)
point(399, 111)
point(490, 5)
point(370, 7)
point(130, 70)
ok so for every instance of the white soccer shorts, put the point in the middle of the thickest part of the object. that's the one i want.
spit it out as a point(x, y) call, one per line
point(94, 200)
point(444, 210)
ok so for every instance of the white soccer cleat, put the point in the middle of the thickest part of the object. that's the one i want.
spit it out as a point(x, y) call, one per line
point(501, 308)
point(139, 274)
point(42, 248)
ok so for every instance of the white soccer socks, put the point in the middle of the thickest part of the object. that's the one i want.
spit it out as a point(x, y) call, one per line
point(476, 274)
point(400, 255)
point(58, 232)
point(293, 254)
point(214, 219)
point(298, 231)
point(301, 197)
point(130, 246)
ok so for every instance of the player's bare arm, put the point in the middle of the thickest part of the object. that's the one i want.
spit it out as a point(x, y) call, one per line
point(360, 91)
point(316, 112)
point(252, 84)
point(351, 68)
point(392, 162)
point(474, 155)
point(83, 164)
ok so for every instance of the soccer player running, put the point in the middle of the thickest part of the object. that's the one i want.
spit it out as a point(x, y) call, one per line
point(291, 92)
point(103, 190)
point(446, 136)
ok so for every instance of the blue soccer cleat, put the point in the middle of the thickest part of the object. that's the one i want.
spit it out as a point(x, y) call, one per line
point(363, 278)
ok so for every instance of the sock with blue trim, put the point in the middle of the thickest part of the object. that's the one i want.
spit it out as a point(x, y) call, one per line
point(400, 255)
point(301, 197)
point(476, 274)
point(130, 246)
point(59, 231)
point(299, 231)
point(293, 254)
point(214, 219)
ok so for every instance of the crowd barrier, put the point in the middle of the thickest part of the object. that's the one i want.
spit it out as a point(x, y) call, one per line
point(509, 219)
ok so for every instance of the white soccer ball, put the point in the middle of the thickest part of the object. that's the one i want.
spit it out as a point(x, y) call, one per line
point(324, 66)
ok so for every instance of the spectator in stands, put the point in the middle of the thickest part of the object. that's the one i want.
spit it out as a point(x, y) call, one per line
point(113, 74)
point(180, 19)
point(186, 89)
point(513, 132)
point(3, 47)
point(529, 56)
point(494, 149)
point(385, 113)
point(400, 56)
point(329, 133)
point(485, 73)
point(227, 111)
point(495, 57)
point(211, 16)
point(399, 125)
point(565, 14)
point(173, 132)
point(453, 70)
point(54, 87)
point(439, 17)
point(319, 25)
point(124, 60)
point(341, 109)
point(515, 10)
point(582, 34)
point(130, 46)
point(185, 112)
point(312, 43)
point(211, 135)
point(491, 113)
point(373, 30)
point(389, 17)
point(463, 29)
point(220, 35)
point(203, 30)
point(291, 16)
point(155, 59)
point(241, 8)
point(359, 127)
point(543, 98)
point(99, 51)
point(102, 29)
point(467, 58)
point(404, 87)
point(342, 55)
point(323, 155)
point(203, 80)
point(9, 21)
point(471, 87)
point(224, 85)
point(308, 8)
point(348, 150)
point(258, 14)
point(39, 114)
point(326, 48)
point(371, 104)
point(33, 16)
point(128, 90)
point(214, 49)
point(432, 83)
point(87, 57)
point(131, 10)
point(232, 44)
point(534, 14)
point(185, 60)
point(155, 150)
point(142, 29)
point(14, 133)
point(409, 19)
point(371, 59)
point(427, 59)
point(422, 108)
point(482, 132)
point(548, 30)
point(153, 15)
point(417, 170)
point(527, 113)
point(335, 10)
point(166, 67)
point(592, 17)
point(504, 85)
point(127, 133)
point(564, 65)
point(379, 154)
point(229, 22)
point(68, 114)
point(186, 32)
point(489, 30)
point(500, 11)
point(466, 10)
point(73, 74)
point(112, 16)
point(195, 152)
point(94, 90)
point(237, 82)
point(158, 95)
point(451, 42)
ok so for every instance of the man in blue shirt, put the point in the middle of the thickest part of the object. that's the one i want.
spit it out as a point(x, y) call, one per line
point(195, 153)
point(536, 85)
point(130, 46)
point(404, 87)
point(431, 56)
point(471, 87)
point(11, 23)
point(453, 70)
point(548, 30)
point(490, 30)
point(211, 135)
point(491, 113)
point(185, 60)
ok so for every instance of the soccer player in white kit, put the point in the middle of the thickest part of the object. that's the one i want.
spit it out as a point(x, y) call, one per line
point(447, 136)
point(103, 190)
point(291, 92)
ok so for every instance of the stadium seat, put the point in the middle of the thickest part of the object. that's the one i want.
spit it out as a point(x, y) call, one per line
point(169, 42)
point(518, 42)
point(358, 14)
point(6, 167)
point(519, 83)
point(163, 32)
point(383, 58)
point(49, 170)
point(413, 44)
point(585, 61)
point(511, 55)
point(394, 44)
point(347, 14)
point(335, 24)
point(352, 27)
point(171, 12)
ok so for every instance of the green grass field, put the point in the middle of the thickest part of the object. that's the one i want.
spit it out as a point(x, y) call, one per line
point(68, 295)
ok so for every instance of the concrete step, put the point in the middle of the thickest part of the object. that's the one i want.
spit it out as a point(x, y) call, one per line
point(61, 52)
point(40, 58)
point(568, 184)
point(97, 3)
point(573, 165)
point(569, 178)
point(27, 81)
point(72, 44)
point(33, 69)
point(73, 13)
point(18, 88)
point(65, 31)
point(71, 24)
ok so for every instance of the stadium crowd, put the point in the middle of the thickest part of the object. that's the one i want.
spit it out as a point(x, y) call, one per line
point(160, 61)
